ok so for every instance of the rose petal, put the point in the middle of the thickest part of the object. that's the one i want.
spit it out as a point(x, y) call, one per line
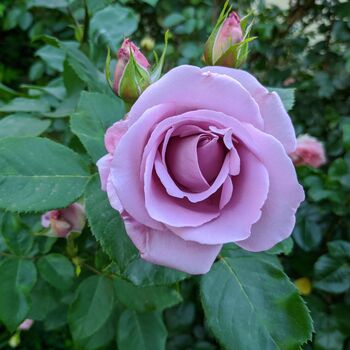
point(211, 156)
point(226, 193)
point(104, 168)
point(45, 219)
point(166, 249)
point(113, 196)
point(182, 163)
point(241, 212)
point(190, 89)
point(285, 195)
point(276, 119)
point(114, 134)
point(125, 167)
point(167, 209)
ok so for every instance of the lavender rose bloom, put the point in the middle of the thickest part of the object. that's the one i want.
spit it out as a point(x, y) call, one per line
point(202, 160)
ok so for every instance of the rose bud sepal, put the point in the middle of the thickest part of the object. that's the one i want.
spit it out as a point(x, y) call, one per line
point(157, 69)
point(134, 80)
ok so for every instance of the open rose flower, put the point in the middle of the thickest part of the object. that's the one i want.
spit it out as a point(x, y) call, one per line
point(201, 160)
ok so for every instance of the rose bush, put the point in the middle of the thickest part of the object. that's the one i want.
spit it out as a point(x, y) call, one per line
point(201, 160)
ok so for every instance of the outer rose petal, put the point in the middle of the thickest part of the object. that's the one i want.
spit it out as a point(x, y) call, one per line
point(276, 119)
point(45, 219)
point(191, 89)
point(114, 134)
point(104, 168)
point(75, 215)
point(126, 163)
point(285, 195)
point(165, 248)
point(113, 196)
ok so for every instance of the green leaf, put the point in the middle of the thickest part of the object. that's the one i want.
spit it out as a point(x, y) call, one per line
point(309, 228)
point(95, 113)
point(107, 226)
point(21, 104)
point(141, 331)
point(92, 307)
point(52, 56)
point(56, 318)
point(17, 278)
point(71, 81)
point(249, 301)
point(80, 63)
point(345, 125)
point(22, 124)
point(286, 95)
point(16, 236)
point(112, 24)
point(37, 174)
point(43, 301)
point(96, 5)
point(180, 317)
point(57, 270)
point(8, 89)
point(341, 314)
point(142, 299)
point(332, 274)
point(173, 19)
point(339, 249)
point(328, 336)
point(56, 90)
point(143, 273)
point(99, 339)
point(47, 4)
point(151, 2)
point(285, 247)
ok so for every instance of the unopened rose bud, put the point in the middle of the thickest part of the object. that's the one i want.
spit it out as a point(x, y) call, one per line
point(147, 43)
point(229, 33)
point(227, 45)
point(26, 325)
point(64, 221)
point(131, 75)
point(304, 285)
point(289, 81)
point(309, 151)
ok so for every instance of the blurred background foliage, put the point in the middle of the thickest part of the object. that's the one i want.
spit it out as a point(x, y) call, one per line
point(302, 44)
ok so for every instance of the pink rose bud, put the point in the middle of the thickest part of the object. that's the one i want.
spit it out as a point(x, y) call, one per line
point(229, 33)
point(64, 221)
point(26, 325)
point(228, 43)
point(131, 75)
point(309, 151)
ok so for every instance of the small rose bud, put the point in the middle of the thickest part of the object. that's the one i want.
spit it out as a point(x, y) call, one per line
point(147, 43)
point(304, 285)
point(309, 151)
point(229, 33)
point(64, 221)
point(289, 81)
point(227, 45)
point(26, 325)
point(131, 75)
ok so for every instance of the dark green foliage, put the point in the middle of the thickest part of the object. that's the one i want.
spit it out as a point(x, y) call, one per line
point(94, 291)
